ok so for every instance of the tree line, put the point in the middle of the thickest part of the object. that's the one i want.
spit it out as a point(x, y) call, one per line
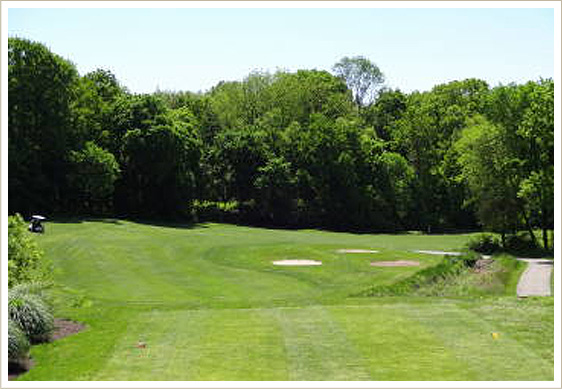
point(306, 148)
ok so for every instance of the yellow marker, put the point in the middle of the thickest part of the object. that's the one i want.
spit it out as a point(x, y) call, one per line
point(495, 335)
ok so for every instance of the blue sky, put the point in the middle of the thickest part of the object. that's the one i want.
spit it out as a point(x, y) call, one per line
point(193, 49)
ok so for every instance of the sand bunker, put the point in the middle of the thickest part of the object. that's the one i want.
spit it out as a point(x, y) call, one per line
point(356, 251)
point(437, 252)
point(395, 263)
point(297, 262)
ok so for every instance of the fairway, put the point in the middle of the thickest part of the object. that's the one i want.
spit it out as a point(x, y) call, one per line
point(209, 304)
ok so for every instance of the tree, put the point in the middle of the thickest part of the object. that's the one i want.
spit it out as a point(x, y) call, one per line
point(41, 88)
point(160, 169)
point(525, 116)
point(92, 176)
point(299, 95)
point(275, 183)
point(491, 175)
point(362, 76)
point(105, 84)
point(94, 114)
point(237, 154)
point(383, 114)
point(537, 130)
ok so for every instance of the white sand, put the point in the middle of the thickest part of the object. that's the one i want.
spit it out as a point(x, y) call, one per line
point(437, 252)
point(356, 251)
point(395, 263)
point(297, 262)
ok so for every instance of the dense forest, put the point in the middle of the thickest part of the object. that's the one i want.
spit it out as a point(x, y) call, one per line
point(308, 148)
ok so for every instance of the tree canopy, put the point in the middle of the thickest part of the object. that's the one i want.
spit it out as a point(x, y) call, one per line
point(304, 148)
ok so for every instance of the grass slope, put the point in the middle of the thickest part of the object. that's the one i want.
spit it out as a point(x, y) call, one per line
point(210, 306)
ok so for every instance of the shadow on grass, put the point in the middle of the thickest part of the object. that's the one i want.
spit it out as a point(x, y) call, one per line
point(179, 224)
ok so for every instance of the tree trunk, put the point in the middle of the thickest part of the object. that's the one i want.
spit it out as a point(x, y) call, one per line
point(544, 227)
point(529, 228)
point(545, 237)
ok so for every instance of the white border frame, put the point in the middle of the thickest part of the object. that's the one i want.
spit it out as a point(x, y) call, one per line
point(6, 5)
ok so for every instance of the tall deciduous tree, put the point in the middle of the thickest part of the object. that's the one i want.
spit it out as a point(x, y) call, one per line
point(491, 174)
point(160, 166)
point(537, 131)
point(362, 76)
point(41, 88)
point(92, 176)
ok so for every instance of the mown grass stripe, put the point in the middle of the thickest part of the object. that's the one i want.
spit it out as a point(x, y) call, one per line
point(396, 347)
point(487, 358)
point(316, 348)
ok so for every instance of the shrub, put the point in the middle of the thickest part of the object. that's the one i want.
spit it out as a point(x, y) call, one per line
point(484, 243)
point(38, 289)
point(521, 243)
point(32, 315)
point(18, 345)
point(220, 211)
point(25, 259)
point(466, 259)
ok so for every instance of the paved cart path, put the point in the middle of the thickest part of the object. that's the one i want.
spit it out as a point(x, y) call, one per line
point(535, 280)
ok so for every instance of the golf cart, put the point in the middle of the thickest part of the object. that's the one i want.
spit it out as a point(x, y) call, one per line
point(35, 225)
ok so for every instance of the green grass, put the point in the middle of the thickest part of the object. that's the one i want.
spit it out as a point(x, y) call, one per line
point(211, 306)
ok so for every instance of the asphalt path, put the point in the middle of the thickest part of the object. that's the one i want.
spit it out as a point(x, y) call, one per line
point(535, 280)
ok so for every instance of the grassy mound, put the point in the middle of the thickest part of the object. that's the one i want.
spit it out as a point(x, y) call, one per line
point(465, 275)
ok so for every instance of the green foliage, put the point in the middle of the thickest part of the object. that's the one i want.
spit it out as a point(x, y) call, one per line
point(467, 259)
point(31, 313)
point(18, 345)
point(484, 243)
point(218, 211)
point(520, 243)
point(105, 84)
point(275, 183)
point(304, 148)
point(491, 173)
point(160, 168)
point(41, 89)
point(25, 260)
point(385, 111)
point(92, 175)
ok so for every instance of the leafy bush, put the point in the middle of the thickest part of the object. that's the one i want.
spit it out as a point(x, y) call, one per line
point(466, 259)
point(221, 211)
point(25, 259)
point(484, 243)
point(18, 345)
point(520, 243)
point(32, 314)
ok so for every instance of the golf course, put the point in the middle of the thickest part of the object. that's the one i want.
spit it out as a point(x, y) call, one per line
point(206, 302)
point(281, 193)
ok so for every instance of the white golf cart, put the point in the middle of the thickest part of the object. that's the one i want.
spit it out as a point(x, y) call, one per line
point(36, 224)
